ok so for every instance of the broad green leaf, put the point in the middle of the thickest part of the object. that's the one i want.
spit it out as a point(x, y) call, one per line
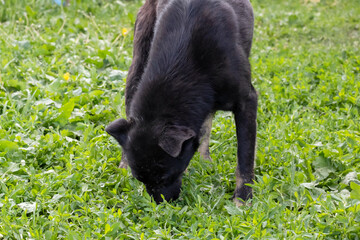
point(30, 11)
point(65, 112)
point(78, 198)
point(96, 93)
point(355, 193)
point(322, 166)
point(107, 228)
point(233, 210)
point(13, 167)
point(6, 145)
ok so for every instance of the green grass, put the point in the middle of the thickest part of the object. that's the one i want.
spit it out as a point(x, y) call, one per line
point(58, 168)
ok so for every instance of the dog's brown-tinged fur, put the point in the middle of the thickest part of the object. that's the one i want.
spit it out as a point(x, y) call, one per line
point(190, 60)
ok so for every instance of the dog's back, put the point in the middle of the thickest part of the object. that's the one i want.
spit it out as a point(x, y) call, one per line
point(178, 14)
point(201, 46)
point(195, 31)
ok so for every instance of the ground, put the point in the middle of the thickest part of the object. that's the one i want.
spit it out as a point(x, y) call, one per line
point(62, 78)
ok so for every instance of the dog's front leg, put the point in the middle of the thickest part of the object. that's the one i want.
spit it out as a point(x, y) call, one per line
point(245, 119)
point(143, 35)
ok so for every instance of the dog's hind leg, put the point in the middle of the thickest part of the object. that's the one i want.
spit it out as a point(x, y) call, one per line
point(205, 138)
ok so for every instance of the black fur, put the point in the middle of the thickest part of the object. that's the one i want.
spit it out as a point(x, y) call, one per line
point(190, 60)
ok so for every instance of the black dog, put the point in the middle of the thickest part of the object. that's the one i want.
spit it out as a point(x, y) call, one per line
point(190, 59)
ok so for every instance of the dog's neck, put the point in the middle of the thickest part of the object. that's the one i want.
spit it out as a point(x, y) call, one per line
point(185, 102)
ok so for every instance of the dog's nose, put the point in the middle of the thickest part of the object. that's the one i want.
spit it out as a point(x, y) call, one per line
point(169, 193)
point(159, 195)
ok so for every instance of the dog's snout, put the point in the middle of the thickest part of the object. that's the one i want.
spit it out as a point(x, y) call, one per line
point(169, 193)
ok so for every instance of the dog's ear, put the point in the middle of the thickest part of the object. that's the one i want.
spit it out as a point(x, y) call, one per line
point(173, 137)
point(119, 130)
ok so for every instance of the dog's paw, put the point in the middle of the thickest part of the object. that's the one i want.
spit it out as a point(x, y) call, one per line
point(240, 203)
point(242, 194)
point(123, 164)
point(206, 156)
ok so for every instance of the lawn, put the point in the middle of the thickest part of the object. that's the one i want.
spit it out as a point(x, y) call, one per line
point(62, 79)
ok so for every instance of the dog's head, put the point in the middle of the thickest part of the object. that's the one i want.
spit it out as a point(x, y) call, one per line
point(157, 154)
